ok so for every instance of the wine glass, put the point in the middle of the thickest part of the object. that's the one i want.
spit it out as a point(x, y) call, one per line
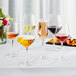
point(54, 25)
point(43, 33)
point(12, 33)
point(26, 41)
point(62, 35)
point(28, 23)
point(42, 30)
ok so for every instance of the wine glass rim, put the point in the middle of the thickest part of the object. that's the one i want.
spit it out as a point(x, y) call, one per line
point(28, 36)
point(11, 32)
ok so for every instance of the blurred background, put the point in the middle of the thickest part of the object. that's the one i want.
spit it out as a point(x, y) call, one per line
point(65, 8)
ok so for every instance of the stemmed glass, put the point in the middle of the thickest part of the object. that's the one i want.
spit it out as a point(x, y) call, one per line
point(43, 33)
point(26, 41)
point(42, 30)
point(28, 23)
point(12, 33)
point(54, 25)
point(62, 35)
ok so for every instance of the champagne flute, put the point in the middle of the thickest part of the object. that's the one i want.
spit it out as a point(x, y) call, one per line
point(29, 23)
point(26, 41)
point(54, 25)
point(43, 33)
point(42, 30)
point(62, 35)
point(12, 33)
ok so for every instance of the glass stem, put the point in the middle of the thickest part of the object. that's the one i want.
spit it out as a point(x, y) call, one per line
point(62, 50)
point(12, 43)
point(11, 48)
point(28, 33)
point(26, 59)
point(61, 44)
point(54, 40)
point(42, 42)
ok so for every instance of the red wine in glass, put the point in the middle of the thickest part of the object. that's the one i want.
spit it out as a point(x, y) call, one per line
point(54, 29)
point(62, 37)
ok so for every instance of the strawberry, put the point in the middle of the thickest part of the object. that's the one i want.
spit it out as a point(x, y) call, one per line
point(68, 41)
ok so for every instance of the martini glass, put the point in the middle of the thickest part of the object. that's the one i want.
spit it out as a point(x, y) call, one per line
point(26, 41)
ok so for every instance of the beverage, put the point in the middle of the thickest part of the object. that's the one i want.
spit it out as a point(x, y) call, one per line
point(62, 37)
point(26, 40)
point(29, 28)
point(54, 29)
point(42, 30)
point(11, 35)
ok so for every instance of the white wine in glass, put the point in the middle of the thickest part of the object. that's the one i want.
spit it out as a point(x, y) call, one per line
point(28, 28)
point(29, 23)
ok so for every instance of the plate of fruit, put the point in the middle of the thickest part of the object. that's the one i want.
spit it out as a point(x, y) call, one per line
point(67, 42)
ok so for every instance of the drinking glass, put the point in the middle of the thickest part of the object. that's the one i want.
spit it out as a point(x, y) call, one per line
point(62, 35)
point(54, 25)
point(42, 30)
point(26, 41)
point(28, 23)
point(12, 33)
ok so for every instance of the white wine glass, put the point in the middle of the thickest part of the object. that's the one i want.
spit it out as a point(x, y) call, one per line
point(28, 23)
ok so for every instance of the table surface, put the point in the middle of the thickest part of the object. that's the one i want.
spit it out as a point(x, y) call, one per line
point(38, 72)
point(47, 56)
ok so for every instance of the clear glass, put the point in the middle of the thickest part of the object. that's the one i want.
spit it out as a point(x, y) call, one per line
point(26, 41)
point(42, 30)
point(12, 33)
point(43, 33)
point(62, 35)
point(54, 25)
point(28, 23)
point(3, 37)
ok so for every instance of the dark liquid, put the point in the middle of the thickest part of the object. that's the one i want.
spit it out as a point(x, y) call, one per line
point(54, 29)
point(62, 37)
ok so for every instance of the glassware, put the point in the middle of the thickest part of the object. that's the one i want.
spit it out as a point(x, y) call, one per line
point(26, 41)
point(3, 37)
point(54, 25)
point(42, 30)
point(12, 33)
point(29, 23)
point(62, 35)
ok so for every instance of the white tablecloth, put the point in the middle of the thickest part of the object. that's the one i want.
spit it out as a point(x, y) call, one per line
point(38, 72)
point(40, 56)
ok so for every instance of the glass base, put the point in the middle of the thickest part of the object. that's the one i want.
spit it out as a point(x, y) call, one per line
point(11, 55)
point(3, 42)
point(26, 63)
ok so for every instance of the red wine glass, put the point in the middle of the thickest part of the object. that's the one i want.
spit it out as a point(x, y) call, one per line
point(62, 35)
point(54, 25)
